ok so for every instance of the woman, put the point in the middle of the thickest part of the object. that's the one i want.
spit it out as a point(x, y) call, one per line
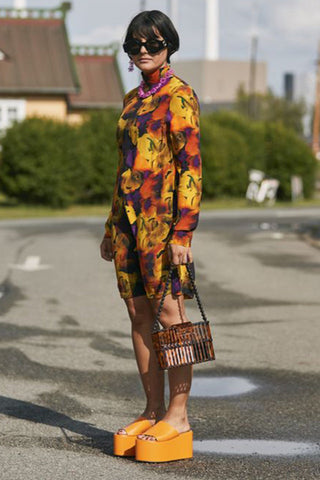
point(155, 209)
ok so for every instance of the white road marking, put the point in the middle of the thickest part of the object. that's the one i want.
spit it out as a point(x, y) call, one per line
point(31, 264)
point(255, 447)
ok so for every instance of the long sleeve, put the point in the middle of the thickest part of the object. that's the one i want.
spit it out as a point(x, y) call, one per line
point(185, 140)
point(107, 226)
point(108, 223)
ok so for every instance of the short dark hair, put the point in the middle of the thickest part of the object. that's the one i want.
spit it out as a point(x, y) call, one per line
point(144, 24)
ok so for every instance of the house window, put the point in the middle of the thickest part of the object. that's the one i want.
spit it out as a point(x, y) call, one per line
point(11, 110)
point(12, 114)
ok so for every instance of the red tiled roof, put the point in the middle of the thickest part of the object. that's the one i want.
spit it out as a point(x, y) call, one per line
point(39, 58)
point(100, 82)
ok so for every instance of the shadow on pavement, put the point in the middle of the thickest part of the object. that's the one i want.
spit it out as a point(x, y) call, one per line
point(97, 438)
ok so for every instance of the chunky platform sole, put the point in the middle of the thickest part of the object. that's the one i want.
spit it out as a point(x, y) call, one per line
point(177, 448)
point(124, 445)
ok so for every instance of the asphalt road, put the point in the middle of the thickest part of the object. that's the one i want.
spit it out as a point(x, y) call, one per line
point(68, 376)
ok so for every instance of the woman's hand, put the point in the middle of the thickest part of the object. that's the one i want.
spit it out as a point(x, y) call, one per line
point(106, 249)
point(179, 254)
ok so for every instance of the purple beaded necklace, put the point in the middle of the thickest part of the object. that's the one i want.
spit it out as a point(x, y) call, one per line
point(163, 81)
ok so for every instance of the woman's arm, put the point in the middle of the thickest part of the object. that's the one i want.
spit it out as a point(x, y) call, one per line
point(108, 223)
point(185, 140)
point(107, 226)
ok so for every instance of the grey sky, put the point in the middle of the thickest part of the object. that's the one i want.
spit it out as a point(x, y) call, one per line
point(289, 30)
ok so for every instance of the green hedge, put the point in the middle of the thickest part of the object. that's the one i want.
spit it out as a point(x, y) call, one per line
point(97, 142)
point(287, 155)
point(232, 145)
point(52, 163)
point(251, 132)
point(223, 154)
point(41, 164)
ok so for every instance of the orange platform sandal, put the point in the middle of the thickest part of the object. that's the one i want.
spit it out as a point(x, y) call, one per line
point(124, 444)
point(168, 445)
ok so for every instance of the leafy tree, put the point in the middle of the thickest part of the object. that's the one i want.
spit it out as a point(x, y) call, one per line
point(270, 108)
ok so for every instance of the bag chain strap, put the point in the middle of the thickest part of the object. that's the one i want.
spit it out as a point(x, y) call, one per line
point(156, 325)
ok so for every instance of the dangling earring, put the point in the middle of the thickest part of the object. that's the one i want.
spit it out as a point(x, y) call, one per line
point(131, 66)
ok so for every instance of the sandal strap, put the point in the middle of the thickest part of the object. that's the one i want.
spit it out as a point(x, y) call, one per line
point(162, 431)
point(140, 425)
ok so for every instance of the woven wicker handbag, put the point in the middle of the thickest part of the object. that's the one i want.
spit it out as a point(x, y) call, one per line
point(183, 343)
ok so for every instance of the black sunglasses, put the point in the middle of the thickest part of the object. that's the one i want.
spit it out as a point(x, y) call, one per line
point(133, 46)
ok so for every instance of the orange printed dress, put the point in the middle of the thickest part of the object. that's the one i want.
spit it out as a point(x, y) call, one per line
point(158, 187)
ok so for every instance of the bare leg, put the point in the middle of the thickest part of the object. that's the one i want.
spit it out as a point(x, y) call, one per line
point(179, 378)
point(152, 377)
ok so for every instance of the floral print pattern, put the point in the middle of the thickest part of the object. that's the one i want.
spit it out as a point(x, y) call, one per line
point(159, 183)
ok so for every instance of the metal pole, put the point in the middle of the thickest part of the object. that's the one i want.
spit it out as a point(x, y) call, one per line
point(253, 60)
point(316, 117)
point(252, 79)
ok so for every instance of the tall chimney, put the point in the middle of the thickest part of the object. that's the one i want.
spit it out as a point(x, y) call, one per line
point(211, 30)
point(20, 4)
point(173, 11)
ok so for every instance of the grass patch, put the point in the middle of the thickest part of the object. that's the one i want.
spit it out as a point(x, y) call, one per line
point(9, 210)
point(28, 211)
